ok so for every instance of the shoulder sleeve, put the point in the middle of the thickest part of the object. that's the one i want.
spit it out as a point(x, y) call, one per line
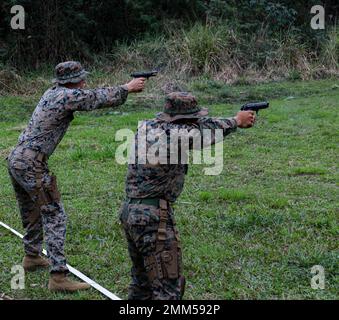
point(87, 100)
point(199, 134)
point(228, 125)
point(214, 130)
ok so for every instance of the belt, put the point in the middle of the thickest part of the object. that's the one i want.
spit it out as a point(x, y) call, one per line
point(149, 201)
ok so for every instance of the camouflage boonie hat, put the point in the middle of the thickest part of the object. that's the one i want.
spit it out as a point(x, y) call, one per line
point(181, 105)
point(69, 72)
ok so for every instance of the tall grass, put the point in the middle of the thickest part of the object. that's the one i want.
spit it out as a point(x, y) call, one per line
point(330, 50)
point(220, 52)
point(217, 52)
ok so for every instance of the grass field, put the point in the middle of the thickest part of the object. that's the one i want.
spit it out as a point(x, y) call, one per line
point(254, 232)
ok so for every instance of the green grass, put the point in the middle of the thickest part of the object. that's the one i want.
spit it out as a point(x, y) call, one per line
point(231, 195)
point(309, 171)
point(254, 232)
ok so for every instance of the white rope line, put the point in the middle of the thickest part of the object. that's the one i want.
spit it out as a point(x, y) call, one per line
point(77, 273)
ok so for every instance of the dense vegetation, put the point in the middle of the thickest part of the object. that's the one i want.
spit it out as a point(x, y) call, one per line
point(232, 41)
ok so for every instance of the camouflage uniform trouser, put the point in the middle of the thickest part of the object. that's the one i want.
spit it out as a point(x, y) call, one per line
point(156, 266)
point(41, 211)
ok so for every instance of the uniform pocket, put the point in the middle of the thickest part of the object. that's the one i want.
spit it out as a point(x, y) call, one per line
point(18, 165)
point(141, 214)
point(138, 220)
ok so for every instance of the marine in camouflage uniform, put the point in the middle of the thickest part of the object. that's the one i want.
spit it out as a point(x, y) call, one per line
point(42, 212)
point(151, 189)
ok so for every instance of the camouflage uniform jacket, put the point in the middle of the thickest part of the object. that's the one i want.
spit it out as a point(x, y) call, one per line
point(166, 181)
point(54, 113)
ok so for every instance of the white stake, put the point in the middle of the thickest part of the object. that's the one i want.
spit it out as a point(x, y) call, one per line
point(77, 273)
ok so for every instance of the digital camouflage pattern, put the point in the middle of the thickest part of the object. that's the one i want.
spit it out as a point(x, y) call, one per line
point(36, 190)
point(54, 113)
point(166, 181)
point(181, 105)
point(69, 72)
point(39, 218)
point(142, 222)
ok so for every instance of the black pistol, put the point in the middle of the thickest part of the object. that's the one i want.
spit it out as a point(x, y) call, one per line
point(144, 74)
point(256, 106)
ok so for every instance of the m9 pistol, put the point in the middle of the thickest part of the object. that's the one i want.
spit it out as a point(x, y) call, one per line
point(256, 106)
point(144, 74)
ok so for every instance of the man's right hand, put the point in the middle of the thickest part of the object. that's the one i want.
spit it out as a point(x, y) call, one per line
point(245, 119)
point(136, 85)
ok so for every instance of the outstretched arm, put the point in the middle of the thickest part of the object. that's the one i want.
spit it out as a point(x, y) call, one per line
point(208, 127)
point(87, 100)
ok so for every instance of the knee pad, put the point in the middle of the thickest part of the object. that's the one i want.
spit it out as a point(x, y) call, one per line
point(51, 189)
point(48, 192)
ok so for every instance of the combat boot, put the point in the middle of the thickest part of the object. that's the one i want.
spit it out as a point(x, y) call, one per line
point(60, 282)
point(31, 263)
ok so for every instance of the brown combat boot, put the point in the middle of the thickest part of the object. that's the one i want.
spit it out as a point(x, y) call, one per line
point(60, 282)
point(31, 263)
